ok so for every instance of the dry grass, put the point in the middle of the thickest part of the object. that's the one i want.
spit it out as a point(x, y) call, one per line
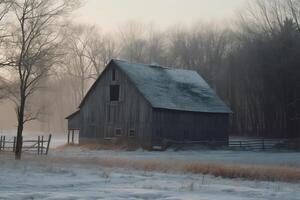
point(249, 172)
point(65, 146)
point(110, 145)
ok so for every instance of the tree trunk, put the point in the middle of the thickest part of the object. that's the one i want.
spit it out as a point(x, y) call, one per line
point(20, 128)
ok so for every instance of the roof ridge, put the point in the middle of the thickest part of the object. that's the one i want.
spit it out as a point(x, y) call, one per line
point(153, 65)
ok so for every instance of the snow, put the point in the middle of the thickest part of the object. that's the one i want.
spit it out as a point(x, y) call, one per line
point(222, 156)
point(58, 176)
point(68, 174)
point(41, 178)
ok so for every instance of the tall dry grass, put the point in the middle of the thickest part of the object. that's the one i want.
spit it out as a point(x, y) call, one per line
point(249, 172)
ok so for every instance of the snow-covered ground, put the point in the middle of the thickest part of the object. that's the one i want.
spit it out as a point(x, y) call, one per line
point(223, 156)
point(71, 174)
point(44, 178)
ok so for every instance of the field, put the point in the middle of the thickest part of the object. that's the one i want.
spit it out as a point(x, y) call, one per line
point(77, 173)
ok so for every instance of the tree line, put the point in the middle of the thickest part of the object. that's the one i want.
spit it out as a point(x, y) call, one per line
point(252, 62)
point(48, 62)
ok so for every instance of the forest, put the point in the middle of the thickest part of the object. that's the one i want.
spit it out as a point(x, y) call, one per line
point(252, 61)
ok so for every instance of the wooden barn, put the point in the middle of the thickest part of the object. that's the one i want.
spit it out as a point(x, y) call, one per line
point(145, 105)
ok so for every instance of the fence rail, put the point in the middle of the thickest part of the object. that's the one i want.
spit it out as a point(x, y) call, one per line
point(243, 144)
point(40, 145)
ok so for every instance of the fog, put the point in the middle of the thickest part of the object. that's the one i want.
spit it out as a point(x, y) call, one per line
point(246, 50)
point(109, 15)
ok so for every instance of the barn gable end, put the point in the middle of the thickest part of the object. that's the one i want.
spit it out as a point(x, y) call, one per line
point(126, 119)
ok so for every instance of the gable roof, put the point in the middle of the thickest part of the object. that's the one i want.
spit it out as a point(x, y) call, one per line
point(170, 88)
point(174, 89)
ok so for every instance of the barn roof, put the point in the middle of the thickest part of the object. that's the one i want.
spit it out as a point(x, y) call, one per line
point(175, 89)
point(73, 114)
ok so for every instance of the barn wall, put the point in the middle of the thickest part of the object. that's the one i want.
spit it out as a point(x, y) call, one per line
point(74, 122)
point(189, 126)
point(100, 117)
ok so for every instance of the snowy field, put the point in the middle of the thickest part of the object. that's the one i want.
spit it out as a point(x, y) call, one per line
point(44, 178)
point(71, 173)
point(223, 156)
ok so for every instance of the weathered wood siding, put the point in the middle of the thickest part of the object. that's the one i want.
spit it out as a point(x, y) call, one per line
point(189, 126)
point(100, 117)
point(74, 122)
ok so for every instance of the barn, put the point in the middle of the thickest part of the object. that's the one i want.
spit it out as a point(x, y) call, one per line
point(145, 105)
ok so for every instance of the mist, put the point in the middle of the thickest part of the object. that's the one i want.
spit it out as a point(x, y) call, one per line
point(247, 53)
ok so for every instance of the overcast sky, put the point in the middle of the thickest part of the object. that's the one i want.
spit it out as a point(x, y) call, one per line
point(111, 14)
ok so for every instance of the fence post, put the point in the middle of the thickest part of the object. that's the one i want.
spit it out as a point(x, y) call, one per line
point(72, 136)
point(49, 140)
point(38, 145)
point(42, 146)
point(0, 143)
point(14, 144)
point(3, 147)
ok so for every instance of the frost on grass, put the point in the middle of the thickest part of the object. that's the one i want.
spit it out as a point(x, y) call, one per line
point(226, 164)
point(66, 178)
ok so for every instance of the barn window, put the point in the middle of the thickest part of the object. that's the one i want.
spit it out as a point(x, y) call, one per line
point(114, 92)
point(118, 132)
point(113, 75)
point(131, 133)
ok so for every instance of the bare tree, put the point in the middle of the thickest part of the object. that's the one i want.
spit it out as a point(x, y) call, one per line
point(269, 16)
point(5, 5)
point(156, 47)
point(77, 65)
point(100, 50)
point(294, 10)
point(133, 42)
point(31, 50)
point(88, 51)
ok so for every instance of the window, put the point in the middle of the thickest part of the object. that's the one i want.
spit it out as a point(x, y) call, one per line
point(118, 132)
point(114, 92)
point(131, 133)
point(113, 75)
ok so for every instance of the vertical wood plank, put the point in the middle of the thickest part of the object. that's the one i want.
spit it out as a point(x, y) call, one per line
point(68, 136)
point(3, 147)
point(73, 136)
point(42, 145)
point(38, 145)
point(48, 144)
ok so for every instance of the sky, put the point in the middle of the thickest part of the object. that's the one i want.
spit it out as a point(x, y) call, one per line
point(111, 14)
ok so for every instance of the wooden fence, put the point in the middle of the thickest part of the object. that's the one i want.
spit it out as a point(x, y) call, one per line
point(39, 146)
point(243, 144)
